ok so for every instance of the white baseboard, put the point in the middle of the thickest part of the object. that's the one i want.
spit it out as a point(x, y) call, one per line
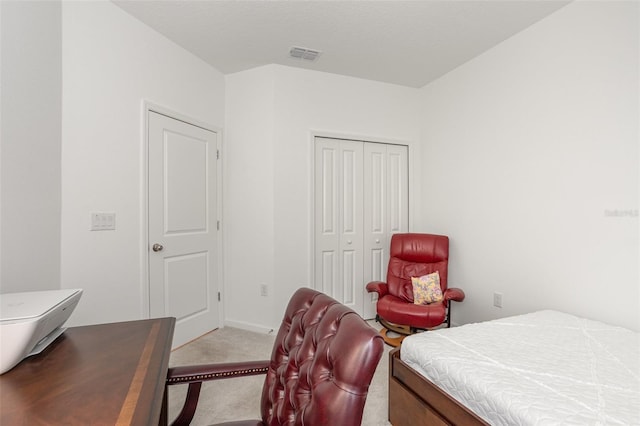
point(249, 327)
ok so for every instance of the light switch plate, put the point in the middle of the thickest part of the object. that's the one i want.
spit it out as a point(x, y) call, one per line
point(101, 221)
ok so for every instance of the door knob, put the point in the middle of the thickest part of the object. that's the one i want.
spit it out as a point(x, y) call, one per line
point(157, 247)
point(377, 241)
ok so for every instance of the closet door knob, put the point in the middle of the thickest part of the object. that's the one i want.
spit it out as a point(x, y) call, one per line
point(157, 247)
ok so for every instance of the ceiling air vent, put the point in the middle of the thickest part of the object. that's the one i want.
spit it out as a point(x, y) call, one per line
point(304, 53)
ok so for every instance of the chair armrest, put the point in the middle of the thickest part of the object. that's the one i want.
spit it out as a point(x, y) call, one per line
point(455, 294)
point(194, 375)
point(378, 287)
point(206, 372)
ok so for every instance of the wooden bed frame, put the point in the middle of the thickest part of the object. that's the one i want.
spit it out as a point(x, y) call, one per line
point(414, 400)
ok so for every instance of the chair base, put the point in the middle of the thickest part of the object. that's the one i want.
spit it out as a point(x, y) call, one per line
point(397, 328)
point(403, 330)
point(391, 341)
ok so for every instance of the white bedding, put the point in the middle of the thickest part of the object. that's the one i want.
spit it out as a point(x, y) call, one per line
point(543, 368)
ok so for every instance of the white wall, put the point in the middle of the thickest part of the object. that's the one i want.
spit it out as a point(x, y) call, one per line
point(31, 82)
point(528, 150)
point(520, 155)
point(248, 204)
point(271, 114)
point(111, 63)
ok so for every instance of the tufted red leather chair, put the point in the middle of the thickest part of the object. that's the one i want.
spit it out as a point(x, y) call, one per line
point(322, 363)
point(414, 255)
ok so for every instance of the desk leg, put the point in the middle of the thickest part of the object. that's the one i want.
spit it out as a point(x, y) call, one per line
point(164, 412)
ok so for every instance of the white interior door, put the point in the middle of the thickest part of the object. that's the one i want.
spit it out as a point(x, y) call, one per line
point(183, 225)
point(338, 223)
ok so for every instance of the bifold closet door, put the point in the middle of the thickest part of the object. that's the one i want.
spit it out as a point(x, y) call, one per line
point(360, 198)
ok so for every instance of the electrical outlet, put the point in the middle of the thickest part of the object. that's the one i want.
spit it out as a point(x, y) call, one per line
point(264, 290)
point(497, 300)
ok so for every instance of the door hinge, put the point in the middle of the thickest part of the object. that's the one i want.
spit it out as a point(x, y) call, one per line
point(218, 296)
point(218, 225)
point(217, 154)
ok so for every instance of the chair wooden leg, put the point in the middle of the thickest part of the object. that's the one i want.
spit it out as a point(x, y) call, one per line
point(190, 404)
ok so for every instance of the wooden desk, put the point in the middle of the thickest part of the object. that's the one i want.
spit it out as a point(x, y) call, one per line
point(107, 374)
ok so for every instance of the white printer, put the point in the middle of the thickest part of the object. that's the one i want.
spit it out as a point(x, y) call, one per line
point(30, 321)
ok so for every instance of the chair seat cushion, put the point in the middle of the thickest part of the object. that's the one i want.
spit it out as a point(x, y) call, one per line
point(398, 311)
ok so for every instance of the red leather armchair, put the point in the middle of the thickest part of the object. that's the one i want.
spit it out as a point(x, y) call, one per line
point(414, 255)
point(322, 363)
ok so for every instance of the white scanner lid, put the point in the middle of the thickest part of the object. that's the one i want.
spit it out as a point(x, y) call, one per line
point(31, 304)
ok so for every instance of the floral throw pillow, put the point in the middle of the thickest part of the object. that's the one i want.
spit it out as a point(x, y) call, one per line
point(426, 289)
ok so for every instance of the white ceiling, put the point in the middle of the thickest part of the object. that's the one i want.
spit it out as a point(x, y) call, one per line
point(410, 43)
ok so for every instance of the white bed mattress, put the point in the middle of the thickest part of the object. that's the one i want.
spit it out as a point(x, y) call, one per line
point(543, 368)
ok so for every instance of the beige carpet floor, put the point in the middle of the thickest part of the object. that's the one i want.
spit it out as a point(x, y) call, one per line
point(239, 399)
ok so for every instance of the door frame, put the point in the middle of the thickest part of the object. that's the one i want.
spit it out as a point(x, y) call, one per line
point(147, 107)
point(313, 134)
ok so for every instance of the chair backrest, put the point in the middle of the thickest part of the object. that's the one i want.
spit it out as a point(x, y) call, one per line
point(414, 255)
point(322, 363)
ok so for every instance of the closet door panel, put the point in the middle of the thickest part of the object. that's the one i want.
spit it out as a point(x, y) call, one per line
point(338, 192)
point(375, 219)
point(351, 222)
point(386, 210)
point(397, 189)
point(326, 217)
